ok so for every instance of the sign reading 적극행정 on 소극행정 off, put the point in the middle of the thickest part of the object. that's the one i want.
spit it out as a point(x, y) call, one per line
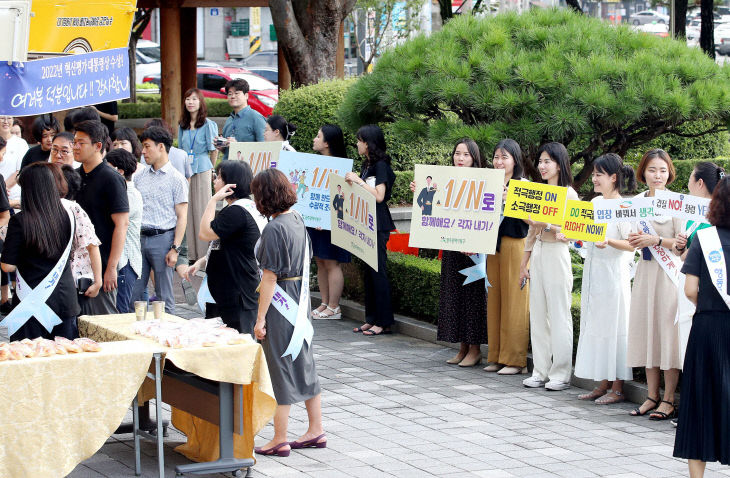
point(578, 222)
point(259, 155)
point(309, 176)
point(623, 210)
point(456, 209)
point(61, 83)
point(537, 201)
point(354, 221)
point(684, 206)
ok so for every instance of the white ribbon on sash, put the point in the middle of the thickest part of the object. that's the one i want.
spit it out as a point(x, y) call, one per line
point(715, 260)
point(204, 295)
point(33, 300)
point(661, 254)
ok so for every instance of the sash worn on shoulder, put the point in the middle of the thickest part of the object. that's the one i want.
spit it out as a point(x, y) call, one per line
point(715, 260)
point(662, 255)
point(204, 295)
point(33, 300)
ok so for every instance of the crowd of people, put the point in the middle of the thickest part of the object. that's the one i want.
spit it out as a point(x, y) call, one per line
point(104, 212)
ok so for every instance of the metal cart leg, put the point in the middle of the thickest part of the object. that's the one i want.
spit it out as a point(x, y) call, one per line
point(135, 431)
point(158, 410)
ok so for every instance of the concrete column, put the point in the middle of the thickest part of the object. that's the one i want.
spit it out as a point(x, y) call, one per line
point(170, 91)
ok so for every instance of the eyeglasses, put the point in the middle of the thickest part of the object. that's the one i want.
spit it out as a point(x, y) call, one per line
point(63, 152)
point(6, 119)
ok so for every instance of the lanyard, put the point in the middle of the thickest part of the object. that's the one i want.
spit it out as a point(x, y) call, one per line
point(192, 143)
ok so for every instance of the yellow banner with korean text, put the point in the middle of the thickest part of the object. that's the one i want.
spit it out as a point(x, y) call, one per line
point(537, 201)
point(578, 222)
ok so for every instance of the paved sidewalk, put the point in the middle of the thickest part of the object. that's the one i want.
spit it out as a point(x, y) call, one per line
point(392, 407)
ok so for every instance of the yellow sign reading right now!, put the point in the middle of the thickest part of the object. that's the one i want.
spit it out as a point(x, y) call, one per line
point(578, 222)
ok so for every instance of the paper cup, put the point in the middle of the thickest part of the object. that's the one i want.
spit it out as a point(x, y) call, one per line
point(140, 309)
point(158, 309)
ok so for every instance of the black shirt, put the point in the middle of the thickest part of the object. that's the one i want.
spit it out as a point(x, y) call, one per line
point(35, 155)
point(103, 193)
point(4, 204)
point(34, 266)
point(108, 108)
point(232, 268)
point(511, 227)
point(383, 175)
point(708, 299)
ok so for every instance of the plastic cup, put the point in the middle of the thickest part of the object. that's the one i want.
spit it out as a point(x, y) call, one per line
point(140, 309)
point(158, 309)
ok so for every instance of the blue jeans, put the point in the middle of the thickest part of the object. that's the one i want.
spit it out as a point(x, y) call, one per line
point(154, 250)
point(126, 278)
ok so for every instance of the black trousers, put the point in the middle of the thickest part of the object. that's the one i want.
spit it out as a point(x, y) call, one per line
point(378, 306)
point(234, 316)
point(30, 330)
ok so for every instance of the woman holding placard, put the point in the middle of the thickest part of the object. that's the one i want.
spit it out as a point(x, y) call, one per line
point(377, 178)
point(462, 307)
point(606, 292)
point(279, 129)
point(508, 320)
point(653, 335)
point(329, 142)
point(551, 283)
point(703, 433)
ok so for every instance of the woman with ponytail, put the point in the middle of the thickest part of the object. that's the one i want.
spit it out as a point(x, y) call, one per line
point(278, 129)
point(606, 292)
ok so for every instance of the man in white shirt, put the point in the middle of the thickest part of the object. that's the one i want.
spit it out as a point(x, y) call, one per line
point(10, 164)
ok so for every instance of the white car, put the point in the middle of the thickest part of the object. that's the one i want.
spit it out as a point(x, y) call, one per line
point(148, 59)
point(648, 16)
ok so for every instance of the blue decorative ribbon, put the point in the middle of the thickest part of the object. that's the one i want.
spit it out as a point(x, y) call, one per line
point(204, 295)
point(33, 300)
point(477, 271)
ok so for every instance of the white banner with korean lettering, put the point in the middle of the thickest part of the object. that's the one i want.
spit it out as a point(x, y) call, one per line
point(623, 210)
point(685, 206)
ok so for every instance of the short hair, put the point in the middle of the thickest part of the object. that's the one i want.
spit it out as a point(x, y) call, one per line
point(512, 148)
point(87, 113)
point(278, 123)
point(334, 138)
point(272, 192)
point(648, 156)
point(64, 135)
point(239, 84)
point(97, 132)
point(719, 212)
point(238, 173)
point(159, 123)
point(158, 135)
point(128, 134)
point(124, 160)
point(3, 143)
point(44, 123)
point(73, 181)
point(474, 152)
point(709, 173)
point(559, 154)
point(19, 124)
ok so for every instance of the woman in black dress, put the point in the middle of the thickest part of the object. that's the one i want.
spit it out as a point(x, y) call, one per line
point(703, 432)
point(377, 178)
point(462, 308)
point(39, 241)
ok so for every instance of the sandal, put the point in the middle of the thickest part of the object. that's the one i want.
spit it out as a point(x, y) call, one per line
point(318, 310)
point(656, 415)
point(329, 313)
point(636, 412)
point(370, 333)
point(611, 398)
point(596, 393)
point(360, 330)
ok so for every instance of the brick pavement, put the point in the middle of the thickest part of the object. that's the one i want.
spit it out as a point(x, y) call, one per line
point(392, 407)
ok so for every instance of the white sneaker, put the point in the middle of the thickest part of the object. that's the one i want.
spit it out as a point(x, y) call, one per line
point(533, 382)
point(557, 385)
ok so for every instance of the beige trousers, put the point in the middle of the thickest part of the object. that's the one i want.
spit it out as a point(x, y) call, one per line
point(198, 197)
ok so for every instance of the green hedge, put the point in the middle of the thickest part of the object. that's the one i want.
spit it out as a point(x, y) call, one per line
point(415, 284)
point(148, 106)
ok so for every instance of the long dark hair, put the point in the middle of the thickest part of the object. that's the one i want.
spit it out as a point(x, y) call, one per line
point(285, 129)
point(373, 136)
point(44, 217)
point(202, 112)
point(474, 152)
point(611, 163)
point(709, 173)
point(559, 154)
point(513, 149)
point(335, 140)
point(719, 210)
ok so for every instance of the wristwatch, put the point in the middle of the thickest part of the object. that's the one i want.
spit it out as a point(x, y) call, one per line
point(175, 248)
point(548, 227)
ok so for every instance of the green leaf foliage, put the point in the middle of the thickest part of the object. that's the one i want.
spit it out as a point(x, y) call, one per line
point(545, 75)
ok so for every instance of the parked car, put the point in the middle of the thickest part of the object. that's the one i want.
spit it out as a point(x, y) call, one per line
point(147, 59)
point(648, 16)
point(268, 58)
point(656, 29)
point(722, 39)
point(271, 74)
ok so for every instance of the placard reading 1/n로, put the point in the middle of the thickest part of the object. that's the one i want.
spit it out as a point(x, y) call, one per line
point(578, 222)
point(537, 201)
point(354, 222)
point(259, 155)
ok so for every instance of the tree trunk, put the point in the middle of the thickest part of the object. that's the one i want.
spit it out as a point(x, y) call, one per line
point(680, 19)
point(707, 28)
point(132, 52)
point(446, 12)
point(574, 5)
point(308, 32)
